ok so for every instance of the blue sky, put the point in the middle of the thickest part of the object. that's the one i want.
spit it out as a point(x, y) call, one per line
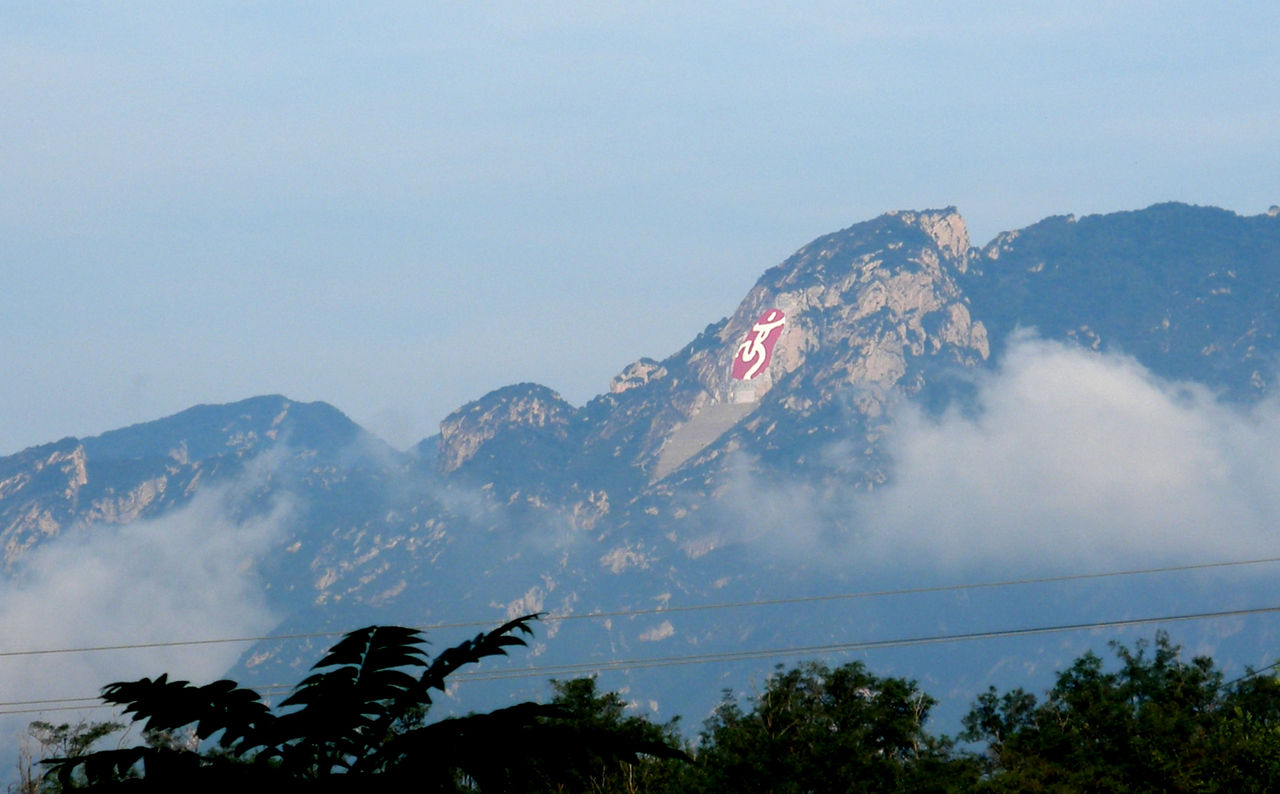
point(398, 207)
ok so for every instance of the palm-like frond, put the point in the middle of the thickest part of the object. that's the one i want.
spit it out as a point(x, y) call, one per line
point(164, 705)
point(352, 692)
point(490, 643)
point(350, 717)
point(417, 695)
point(100, 768)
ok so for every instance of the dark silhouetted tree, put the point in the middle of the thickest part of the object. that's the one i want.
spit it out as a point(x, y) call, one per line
point(357, 722)
point(55, 741)
point(605, 749)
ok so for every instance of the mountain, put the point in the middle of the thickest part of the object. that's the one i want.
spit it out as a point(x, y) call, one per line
point(682, 488)
point(147, 469)
point(1190, 291)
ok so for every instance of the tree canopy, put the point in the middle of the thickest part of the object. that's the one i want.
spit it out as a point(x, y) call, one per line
point(816, 728)
point(359, 719)
point(1150, 720)
point(1157, 722)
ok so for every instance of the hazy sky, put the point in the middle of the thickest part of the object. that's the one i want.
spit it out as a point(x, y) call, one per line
point(396, 207)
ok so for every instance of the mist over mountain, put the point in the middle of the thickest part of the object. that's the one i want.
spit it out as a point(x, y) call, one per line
point(1080, 396)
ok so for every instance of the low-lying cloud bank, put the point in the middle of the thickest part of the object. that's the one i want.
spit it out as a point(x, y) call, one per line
point(187, 576)
point(1078, 458)
point(1068, 460)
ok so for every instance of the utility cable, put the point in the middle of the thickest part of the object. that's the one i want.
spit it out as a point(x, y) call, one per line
point(1253, 674)
point(667, 610)
point(733, 656)
point(807, 650)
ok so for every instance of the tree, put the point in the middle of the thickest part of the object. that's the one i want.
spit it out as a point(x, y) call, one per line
point(1157, 723)
point(599, 739)
point(56, 741)
point(820, 729)
point(358, 720)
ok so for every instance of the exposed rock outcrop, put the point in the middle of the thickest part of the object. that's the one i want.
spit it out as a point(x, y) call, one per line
point(522, 406)
point(636, 375)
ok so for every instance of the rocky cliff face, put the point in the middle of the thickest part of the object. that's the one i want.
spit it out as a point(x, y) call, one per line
point(870, 300)
point(864, 301)
point(147, 469)
point(52, 487)
point(53, 471)
point(511, 410)
point(871, 311)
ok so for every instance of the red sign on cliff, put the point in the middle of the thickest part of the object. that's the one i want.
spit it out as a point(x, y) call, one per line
point(754, 352)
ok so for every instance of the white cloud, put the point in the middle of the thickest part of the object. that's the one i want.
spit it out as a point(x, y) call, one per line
point(1073, 460)
point(187, 576)
point(1078, 458)
point(661, 631)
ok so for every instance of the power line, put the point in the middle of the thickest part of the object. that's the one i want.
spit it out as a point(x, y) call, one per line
point(667, 610)
point(92, 702)
point(911, 590)
point(731, 656)
point(86, 707)
point(1253, 673)
point(45, 700)
point(734, 656)
point(175, 643)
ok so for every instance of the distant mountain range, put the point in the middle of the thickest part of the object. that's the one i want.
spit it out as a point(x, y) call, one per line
point(682, 488)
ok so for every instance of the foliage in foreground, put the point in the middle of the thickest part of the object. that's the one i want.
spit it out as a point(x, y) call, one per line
point(56, 741)
point(1157, 723)
point(359, 720)
point(815, 728)
point(1150, 721)
point(593, 715)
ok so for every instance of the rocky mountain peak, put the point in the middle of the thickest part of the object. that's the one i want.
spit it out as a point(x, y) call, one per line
point(522, 406)
point(947, 230)
point(863, 301)
point(865, 308)
point(636, 375)
point(143, 469)
point(862, 306)
point(241, 428)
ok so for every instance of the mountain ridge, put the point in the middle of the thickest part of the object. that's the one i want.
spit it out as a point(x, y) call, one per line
point(880, 309)
point(659, 489)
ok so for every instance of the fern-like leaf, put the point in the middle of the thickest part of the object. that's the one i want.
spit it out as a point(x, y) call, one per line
point(489, 643)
